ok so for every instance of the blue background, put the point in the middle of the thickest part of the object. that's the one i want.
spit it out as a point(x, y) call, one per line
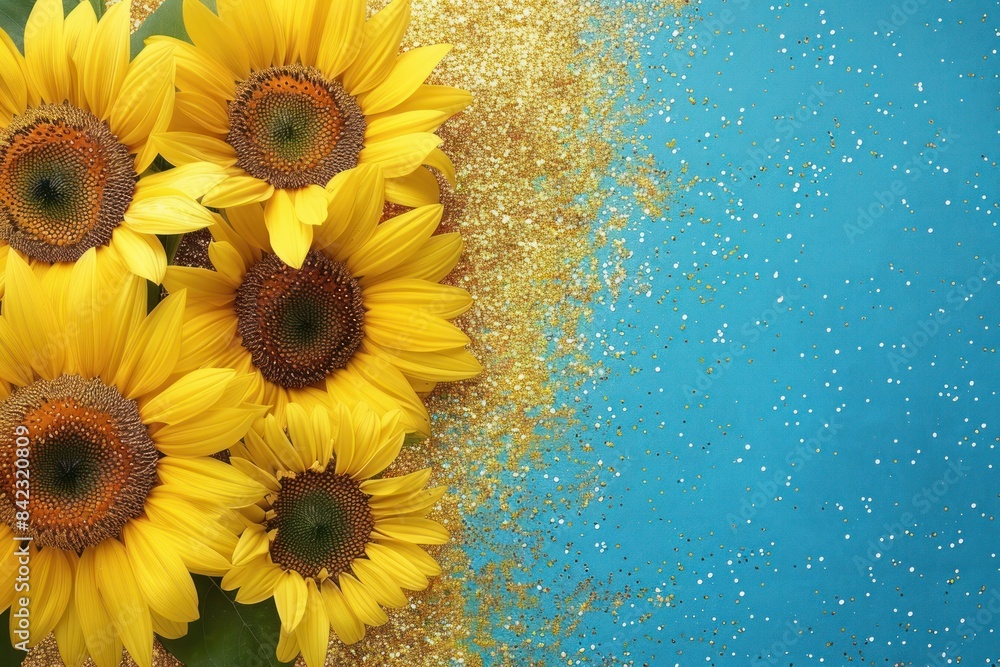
point(797, 439)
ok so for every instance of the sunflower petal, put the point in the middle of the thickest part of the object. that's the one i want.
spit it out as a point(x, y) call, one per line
point(209, 479)
point(407, 74)
point(255, 22)
point(217, 38)
point(349, 629)
point(342, 37)
point(238, 191)
point(152, 348)
point(32, 318)
point(396, 125)
point(126, 606)
point(383, 33)
point(400, 155)
point(167, 215)
point(145, 92)
point(413, 530)
point(180, 148)
point(290, 597)
point(290, 239)
point(313, 633)
point(108, 61)
point(142, 253)
point(45, 56)
point(400, 327)
point(395, 240)
point(99, 632)
point(361, 601)
point(159, 572)
point(432, 261)
point(440, 300)
point(187, 397)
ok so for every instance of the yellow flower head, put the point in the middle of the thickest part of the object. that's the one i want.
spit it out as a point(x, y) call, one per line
point(330, 544)
point(75, 118)
point(362, 317)
point(105, 467)
point(288, 94)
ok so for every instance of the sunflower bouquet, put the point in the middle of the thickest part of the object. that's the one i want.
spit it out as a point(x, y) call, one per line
point(220, 271)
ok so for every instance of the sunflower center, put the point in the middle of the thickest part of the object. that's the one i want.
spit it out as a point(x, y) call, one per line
point(65, 182)
point(300, 325)
point(323, 521)
point(87, 458)
point(292, 127)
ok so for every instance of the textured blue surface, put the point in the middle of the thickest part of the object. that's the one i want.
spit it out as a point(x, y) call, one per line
point(828, 493)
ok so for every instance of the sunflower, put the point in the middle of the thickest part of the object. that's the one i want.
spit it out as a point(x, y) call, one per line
point(75, 118)
point(329, 543)
point(286, 95)
point(362, 319)
point(108, 496)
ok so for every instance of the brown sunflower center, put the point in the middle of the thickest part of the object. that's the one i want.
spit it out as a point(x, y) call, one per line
point(291, 127)
point(300, 325)
point(323, 521)
point(86, 456)
point(65, 182)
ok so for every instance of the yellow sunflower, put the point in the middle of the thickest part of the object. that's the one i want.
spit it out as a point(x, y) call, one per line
point(108, 496)
point(75, 118)
point(288, 94)
point(362, 319)
point(329, 543)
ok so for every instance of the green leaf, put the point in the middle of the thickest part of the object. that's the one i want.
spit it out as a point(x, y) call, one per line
point(412, 439)
point(8, 654)
point(228, 633)
point(168, 19)
point(13, 17)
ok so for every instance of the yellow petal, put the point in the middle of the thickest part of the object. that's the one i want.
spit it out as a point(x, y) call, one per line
point(217, 38)
point(290, 239)
point(432, 261)
point(145, 92)
point(121, 594)
point(253, 543)
point(382, 586)
point(142, 253)
point(108, 60)
point(361, 601)
point(444, 366)
point(238, 191)
point(418, 188)
point(407, 74)
point(310, 204)
point(437, 159)
point(160, 573)
point(287, 649)
point(402, 485)
point(187, 397)
point(13, 85)
point(395, 125)
point(180, 148)
point(439, 98)
point(190, 180)
point(204, 113)
point(349, 629)
point(440, 300)
point(290, 596)
point(399, 327)
point(164, 627)
point(401, 155)
point(313, 633)
point(342, 37)
point(414, 556)
point(209, 479)
point(208, 432)
point(45, 56)
point(51, 584)
point(68, 631)
point(167, 215)
point(356, 203)
point(202, 285)
point(413, 530)
point(301, 434)
point(395, 240)
point(152, 348)
point(33, 319)
point(377, 55)
point(248, 221)
point(255, 22)
point(99, 632)
point(227, 261)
